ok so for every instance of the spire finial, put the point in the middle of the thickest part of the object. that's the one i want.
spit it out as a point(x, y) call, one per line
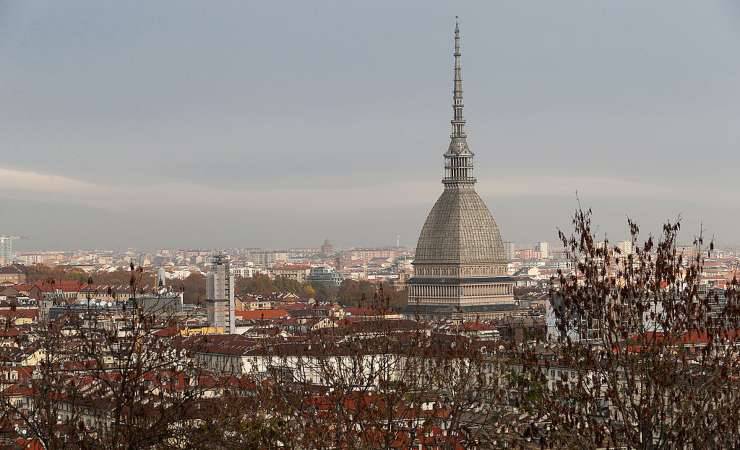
point(458, 122)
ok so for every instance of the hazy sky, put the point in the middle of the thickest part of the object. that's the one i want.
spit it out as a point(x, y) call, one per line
point(271, 123)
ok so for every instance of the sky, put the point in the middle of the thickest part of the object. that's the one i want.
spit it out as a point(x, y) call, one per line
point(223, 124)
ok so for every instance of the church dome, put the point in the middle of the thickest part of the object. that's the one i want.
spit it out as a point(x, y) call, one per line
point(460, 230)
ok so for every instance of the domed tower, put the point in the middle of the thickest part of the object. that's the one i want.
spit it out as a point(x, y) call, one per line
point(460, 264)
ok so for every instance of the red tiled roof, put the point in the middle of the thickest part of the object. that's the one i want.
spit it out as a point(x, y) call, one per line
point(18, 390)
point(29, 444)
point(355, 311)
point(9, 333)
point(689, 338)
point(19, 313)
point(24, 372)
point(167, 332)
point(24, 287)
point(63, 285)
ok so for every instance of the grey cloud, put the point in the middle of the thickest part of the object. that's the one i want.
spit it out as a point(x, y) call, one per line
point(271, 113)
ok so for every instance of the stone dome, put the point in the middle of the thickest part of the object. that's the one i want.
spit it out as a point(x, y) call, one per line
point(460, 230)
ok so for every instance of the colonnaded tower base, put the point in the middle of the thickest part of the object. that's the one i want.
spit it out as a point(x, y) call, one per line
point(460, 264)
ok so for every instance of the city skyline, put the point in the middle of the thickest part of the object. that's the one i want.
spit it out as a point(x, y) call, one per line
point(212, 226)
point(143, 147)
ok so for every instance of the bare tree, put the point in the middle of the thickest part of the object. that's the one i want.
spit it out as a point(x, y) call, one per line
point(647, 356)
point(107, 380)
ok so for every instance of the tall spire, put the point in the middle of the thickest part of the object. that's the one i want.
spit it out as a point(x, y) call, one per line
point(459, 158)
point(458, 122)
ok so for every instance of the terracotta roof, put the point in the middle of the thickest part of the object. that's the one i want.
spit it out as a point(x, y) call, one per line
point(355, 311)
point(690, 338)
point(23, 287)
point(20, 313)
point(9, 333)
point(167, 332)
point(18, 390)
point(63, 285)
point(24, 372)
point(29, 444)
